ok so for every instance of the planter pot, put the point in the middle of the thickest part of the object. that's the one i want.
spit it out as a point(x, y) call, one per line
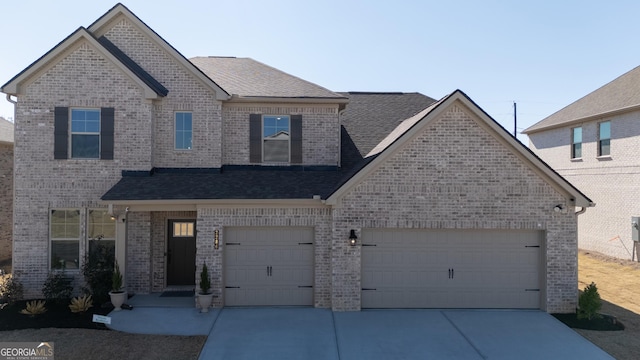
point(117, 299)
point(205, 301)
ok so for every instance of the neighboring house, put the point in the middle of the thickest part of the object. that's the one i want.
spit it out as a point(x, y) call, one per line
point(6, 193)
point(361, 200)
point(594, 143)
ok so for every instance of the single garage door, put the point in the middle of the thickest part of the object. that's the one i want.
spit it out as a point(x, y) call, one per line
point(451, 268)
point(268, 266)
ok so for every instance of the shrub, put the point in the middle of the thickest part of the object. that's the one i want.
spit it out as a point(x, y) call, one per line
point(57, 287)
point(205, 282)
point(116, 279)
point(10, 289)
point(98, 271)
point(34, 308)
point(81, 304)
point(589, 303)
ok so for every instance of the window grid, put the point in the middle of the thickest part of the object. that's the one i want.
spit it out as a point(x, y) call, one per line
point(576, 143)
point(64, 234)
point(85, 133)
point(183, 229)
point(184, 131)
point(604, 138)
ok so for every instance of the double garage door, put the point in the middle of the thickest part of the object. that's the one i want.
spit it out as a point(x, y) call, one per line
point(268, 266)
point(452, 268)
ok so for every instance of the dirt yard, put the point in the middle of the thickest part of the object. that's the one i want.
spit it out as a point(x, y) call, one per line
point(618, 284)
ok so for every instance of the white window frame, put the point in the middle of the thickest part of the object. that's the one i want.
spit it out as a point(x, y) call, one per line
point(52, 240)
point(573, 143)
point(600, 139)
point(175, 130)
point(71, 132)
point(264, 160)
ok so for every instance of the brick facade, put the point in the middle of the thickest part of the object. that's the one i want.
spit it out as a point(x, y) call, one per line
point(6, 205)
point(612, 181)
point(455, 175)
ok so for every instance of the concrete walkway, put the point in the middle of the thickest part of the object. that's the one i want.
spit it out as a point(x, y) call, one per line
point(306, 333)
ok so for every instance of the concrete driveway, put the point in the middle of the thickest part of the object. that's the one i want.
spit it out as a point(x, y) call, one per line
point(303, 333)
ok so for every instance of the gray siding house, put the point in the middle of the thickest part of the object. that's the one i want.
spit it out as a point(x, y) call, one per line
point(291, 194)
point(6, 193)
point(594, 143)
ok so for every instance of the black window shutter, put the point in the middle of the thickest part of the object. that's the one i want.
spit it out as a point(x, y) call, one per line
point(106, 133)
point(61, 133)
point(296, 139)
point(255, 138)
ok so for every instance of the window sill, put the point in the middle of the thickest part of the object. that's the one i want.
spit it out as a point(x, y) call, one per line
point(604, 157)
point(576, 160)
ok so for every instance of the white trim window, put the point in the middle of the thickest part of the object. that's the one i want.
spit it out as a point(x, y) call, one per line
point(604, 138)
point(85, 133)
point(275, 138)
point(101, 230)
point(64, 234)
point(576, 142)
point(183, 130)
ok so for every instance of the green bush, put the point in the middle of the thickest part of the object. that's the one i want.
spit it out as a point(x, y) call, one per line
point(57, 287)
point(98, 271)
point(589, 303)
point(10, 289)
point(205, 281)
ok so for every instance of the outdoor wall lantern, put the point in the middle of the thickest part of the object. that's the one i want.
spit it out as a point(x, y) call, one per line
point(352, 238)
point(216, 239)
point(560, 208)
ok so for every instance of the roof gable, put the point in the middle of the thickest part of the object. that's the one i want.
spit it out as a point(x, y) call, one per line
point(412, 127)
point(104, 23)
point(14, 86)
point(618, 96)
point(246, 78)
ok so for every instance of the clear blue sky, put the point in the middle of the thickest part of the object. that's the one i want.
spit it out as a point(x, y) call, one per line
point(541, 54)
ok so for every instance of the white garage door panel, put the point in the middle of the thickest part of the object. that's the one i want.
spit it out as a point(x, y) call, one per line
point(268, 266)
point(451, 269)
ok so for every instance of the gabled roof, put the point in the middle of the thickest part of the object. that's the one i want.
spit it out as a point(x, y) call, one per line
point(6, 131)
point(249, 79)
point(618, 96)
point(410, 128)
point(371, 116)
point(100, 26)
point(14, 86)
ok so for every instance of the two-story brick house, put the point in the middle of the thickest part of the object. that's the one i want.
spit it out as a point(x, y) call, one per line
point(290, 193)
point(594, 143)
point(6, 193)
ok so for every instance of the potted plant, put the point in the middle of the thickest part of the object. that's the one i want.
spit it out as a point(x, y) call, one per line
point(117, 294)
point(205, 297)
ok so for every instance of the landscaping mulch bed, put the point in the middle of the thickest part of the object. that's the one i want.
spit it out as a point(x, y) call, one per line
point(58, 315)
point(602, 323)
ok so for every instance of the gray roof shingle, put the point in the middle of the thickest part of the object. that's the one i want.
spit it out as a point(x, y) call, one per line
point(249, 78)
point(371, 116)
point(621, 94)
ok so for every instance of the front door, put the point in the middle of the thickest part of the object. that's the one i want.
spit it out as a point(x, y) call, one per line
point(181, 253)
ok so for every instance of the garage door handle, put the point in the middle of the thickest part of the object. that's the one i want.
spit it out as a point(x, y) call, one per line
point(305, 286)
point(368, 245)
point(531, 289)
point(232, 287)
point(305, 243)
point(532, 246)
point(369, 289)
point(232, 243)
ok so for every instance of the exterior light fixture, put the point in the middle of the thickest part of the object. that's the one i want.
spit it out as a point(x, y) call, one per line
point(216, 239)
point(353, 238)
point(559, 208)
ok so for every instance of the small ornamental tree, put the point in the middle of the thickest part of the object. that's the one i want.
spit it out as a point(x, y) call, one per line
point(589, 303)
point(98, 270)
point(205, 282)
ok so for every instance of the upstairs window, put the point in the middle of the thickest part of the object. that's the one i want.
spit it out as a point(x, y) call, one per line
point(576, 143)
point(275, 137)
point(184, 130)
point(85, 133)
point(604, 139)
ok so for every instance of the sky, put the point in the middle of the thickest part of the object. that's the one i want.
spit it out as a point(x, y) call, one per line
point(542, 55)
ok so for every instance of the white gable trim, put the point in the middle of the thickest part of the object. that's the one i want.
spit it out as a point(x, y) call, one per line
point(14, 87)
point(412, 127)
point(103, 24)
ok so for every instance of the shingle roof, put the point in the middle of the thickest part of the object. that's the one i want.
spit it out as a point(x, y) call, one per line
point(134, 67)
point(371, 116)
point(619, 95)
point(246, 77)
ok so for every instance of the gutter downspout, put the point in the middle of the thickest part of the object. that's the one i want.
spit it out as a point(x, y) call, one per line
point(11, 101)
point(581, 211)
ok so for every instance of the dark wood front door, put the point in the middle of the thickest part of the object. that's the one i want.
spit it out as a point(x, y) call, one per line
point(181, 253)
